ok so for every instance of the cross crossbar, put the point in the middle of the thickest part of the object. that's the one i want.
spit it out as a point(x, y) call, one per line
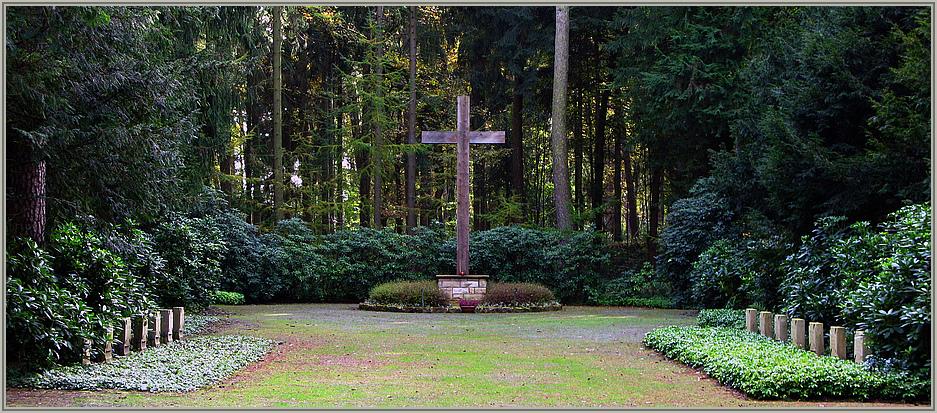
point(453, 137)
point(462, 138)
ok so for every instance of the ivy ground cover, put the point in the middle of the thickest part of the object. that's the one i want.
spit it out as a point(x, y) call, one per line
point(336, 356)
point(768, 369)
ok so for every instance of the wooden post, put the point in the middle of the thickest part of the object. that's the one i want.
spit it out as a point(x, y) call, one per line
point(178, 317)
point(86, 352)
point(751, 317)
point(123, 342)
point(462, 186)
point(108, 346)
point(780, 327)
point(764, 323)
point(165, 327)
point(799, 333)
point(817, 345)
point(140, 330)
point(153, 333)
point(859, 346)
point(838, 342)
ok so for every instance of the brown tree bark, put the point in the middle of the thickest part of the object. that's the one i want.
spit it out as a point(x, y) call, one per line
point(558, 132)
point(517, 145)
point(277, 116)
point(654, 214)
point(26, 193)
point(598, 161)
point(616, 204)
point(378, 126)
point(411, 129)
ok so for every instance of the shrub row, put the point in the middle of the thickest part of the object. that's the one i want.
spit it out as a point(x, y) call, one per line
point(767, 369)
point(408, 293)
point(427, 294)
point(92, 273)
point(862, 275)
point(227, 298)
point(726, 318)
point(517, 294)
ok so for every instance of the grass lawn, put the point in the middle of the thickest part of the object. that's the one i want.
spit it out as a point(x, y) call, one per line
point(336, 356)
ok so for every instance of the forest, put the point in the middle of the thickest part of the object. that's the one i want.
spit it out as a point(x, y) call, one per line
point(701, 157)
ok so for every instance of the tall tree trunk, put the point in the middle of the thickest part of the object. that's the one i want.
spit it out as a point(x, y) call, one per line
point(362, 160)
point(577, 153)
point(411, 129)
point(252, 170)
point(277, 116)
point(558, 132)
point(616, 204)
point(378, 121)
point(26, 191)
point(517, 148)
point(598, 160)
point(654, 214)
point(631, 195)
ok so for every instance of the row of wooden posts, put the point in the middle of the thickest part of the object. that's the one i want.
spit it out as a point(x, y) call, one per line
point(761, 322)
point(150, 328)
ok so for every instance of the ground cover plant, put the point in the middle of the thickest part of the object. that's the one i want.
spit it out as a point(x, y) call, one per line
point(182, 365)
point(179, 366)
point(767, 369)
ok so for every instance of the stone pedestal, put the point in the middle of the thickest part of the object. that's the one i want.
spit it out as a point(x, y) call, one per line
point(463, 287)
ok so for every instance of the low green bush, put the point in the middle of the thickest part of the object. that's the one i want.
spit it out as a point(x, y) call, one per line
point(721, 317)
point(767, 369)
point(227, 298)
point(520, 293)
point(634, 288)
point(421, 293)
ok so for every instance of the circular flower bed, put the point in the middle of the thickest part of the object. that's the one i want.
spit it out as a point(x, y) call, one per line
point(481, 308)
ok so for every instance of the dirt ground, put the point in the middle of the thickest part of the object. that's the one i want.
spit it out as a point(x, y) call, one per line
point(337, 356)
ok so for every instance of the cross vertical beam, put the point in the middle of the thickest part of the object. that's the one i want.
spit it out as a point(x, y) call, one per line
point(463, 138)
point(462, 186)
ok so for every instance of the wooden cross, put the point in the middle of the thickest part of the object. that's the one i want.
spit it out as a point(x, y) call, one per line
point(462, 137)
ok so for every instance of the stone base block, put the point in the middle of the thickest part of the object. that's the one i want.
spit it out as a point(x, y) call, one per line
point(463, 287)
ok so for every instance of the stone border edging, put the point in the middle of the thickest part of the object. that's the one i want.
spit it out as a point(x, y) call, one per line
point(456, 309)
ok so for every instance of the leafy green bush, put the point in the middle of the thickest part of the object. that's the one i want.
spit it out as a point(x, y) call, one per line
point(726, 318)
point(512, 253)
point(767, 369)
point(520, 293)
point(812, 289)
point(45, 321)
point(179, 366)
point(877, 280)
point(693, 225)
point(192, 249)
point(892, 298)
point(252, 264)
point(227, 298)
point(719, 274)
point(419, 293)
point(570, 265)
point(640, 288)
point(58, 298)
